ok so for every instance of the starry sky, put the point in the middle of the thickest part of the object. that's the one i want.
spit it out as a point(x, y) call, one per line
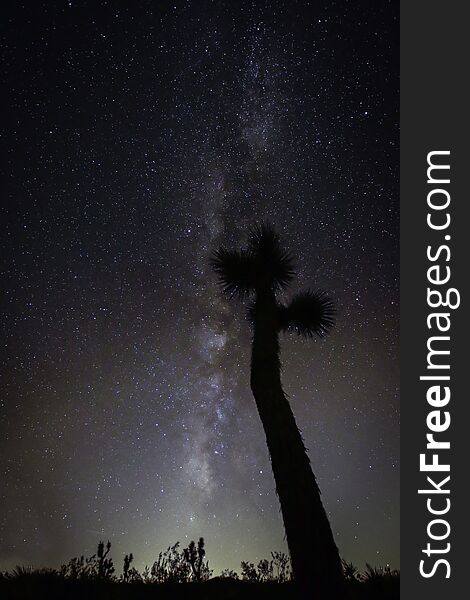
point(138, 136)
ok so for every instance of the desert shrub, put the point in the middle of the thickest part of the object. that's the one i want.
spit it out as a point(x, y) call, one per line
point(131, 574)
point(350, 571)
point(265, 570)
point(98, 566)
point(379, 574)
point(249, 572)
point(380, 582)
point(105, 565)
point(27, 572)
point(194, 556)
point(171, 567)
point(21, 571)
point(79, 568)
point(282, 570)
point(229, 574)
point(146, 575)
point(134, 576)
point(275, 570)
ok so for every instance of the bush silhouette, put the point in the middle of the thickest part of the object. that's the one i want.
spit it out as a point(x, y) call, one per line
point(105, 565)
point(170, 567)
point(351, 573)
point(180, 574)
point(276, 570)
point(194, 556)
point(98, 566)
point(229, 574)
point(129, 574)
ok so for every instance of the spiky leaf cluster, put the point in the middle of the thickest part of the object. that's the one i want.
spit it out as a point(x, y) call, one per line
point(235, 272)
point(308, 314)
point(264, 264)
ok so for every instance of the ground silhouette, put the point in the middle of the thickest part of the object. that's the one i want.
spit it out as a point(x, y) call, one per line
point(172, 576)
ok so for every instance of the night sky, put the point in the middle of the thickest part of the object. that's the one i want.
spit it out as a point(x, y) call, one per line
point(138, 136)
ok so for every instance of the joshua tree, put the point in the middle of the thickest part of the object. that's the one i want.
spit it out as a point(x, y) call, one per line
point(258, 273)
point(194, 556)
point(128, 558)
point(105, 565)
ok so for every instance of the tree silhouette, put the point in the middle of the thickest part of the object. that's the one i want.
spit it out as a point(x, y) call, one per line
point(258, 273)
point(128, 558)
point(105, 565)
point(194, 556)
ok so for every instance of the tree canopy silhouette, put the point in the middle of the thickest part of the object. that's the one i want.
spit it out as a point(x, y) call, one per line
point(257, 274)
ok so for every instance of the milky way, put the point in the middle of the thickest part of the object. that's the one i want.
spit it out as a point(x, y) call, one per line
point(138, 139)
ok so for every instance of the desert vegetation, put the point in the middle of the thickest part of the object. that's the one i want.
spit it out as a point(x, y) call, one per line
point(181, 573)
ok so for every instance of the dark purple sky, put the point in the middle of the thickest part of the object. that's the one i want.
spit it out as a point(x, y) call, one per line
point(138, 136)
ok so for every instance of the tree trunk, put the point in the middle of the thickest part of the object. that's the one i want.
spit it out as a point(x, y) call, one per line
point(315, 559)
